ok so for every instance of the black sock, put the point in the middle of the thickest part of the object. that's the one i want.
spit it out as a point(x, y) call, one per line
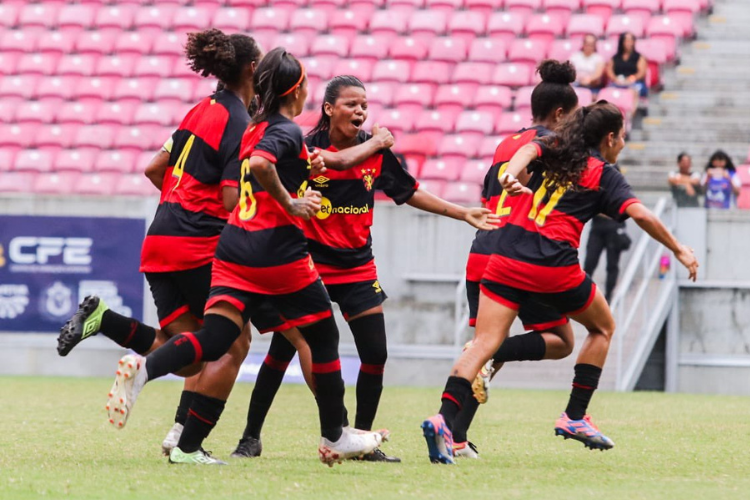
point(463, 420)
point(208, 344)
point(267, 384)
point(202, 417)
point(526, 347)
point(127, 332)
point(457, 391)
point(345, 420)
point(369, 336)
point(323, 339)
point(186, 398)
point(585, 382)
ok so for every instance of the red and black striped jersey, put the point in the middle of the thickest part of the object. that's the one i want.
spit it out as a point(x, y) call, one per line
point(204, 158)
point(538, 250)
point(339, 236)
point(263, 249)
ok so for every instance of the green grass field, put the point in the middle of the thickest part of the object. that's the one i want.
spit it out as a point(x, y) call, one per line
point(55, 443)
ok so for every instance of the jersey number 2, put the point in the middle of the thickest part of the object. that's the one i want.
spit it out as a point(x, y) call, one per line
point(248, 205)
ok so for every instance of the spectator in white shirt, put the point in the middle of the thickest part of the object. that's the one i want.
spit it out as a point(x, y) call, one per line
point(589, 64)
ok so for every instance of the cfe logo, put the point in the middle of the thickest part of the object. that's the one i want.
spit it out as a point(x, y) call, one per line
point(41, 250)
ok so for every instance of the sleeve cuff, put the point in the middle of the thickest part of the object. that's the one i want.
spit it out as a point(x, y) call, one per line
point(627, 203)
point(264, 154)
point(538, 148)
point(229, 183)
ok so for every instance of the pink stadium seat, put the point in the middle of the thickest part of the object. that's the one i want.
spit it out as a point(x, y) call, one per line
point(525, 7)
point(22, 41)
point(655, 52)
point(90, 89)
point(463, 192)
point(622, 98)
point(119, 113)
point(232, 20)
point(55, 183)
point(467, 25)
point(95, 184)
point(603, 8)
point(641, 8)
point(33, 160)
point(95, 42)
point(169, 44)
point(74, 160)
point(484, 7)
point(743, 173)
point(362, 69)
point(136, 137)
point(192, 18)
point(155, 113)
point(370, 47)
point(684, 12)
point(663, 28)
point(270, 20)
point(512, 75)
point(529, 51)
point(396, 120)
point(247, 3)
point(16, 182)
point(487, 149)
point(585, 97)
point(434, 120)
point(427, 24)
point(407, 6)
point(43, 111)
point(8, 62)
point(328, 5)
point(441, 170)
point(474, 171)
point(455, 97)
point(308, 21)
point(563, 49)
point(121, 66)
point(76, 16)
point(154, 66)
point(7, 158)
point(381, 93)
point(8, 108)
point(510, 123)
point(416, 145)
point(18, 86)
point(389, 22)
point(134, 89)
point(348, 22)
point(445, 5)
point(296, 43)
point(134, 185)
point(204, 87)
point(448, 49)
point(9, 14)
point(330, 45)
point(62, 136)
point(607, 48)
point(154, 17)
point(409, 49)
point(562, 9)
point(544, 27)
point(625, 23)
point(115, 161)
point(391, 71)
point(523, 98)
point(432, 186)
point(492, 98)
point(476, 123)
point(319, 69)
point(365, 7)
point(58, 42)
point(491, 50)
point(38, 64)
point(174, 90)
point(583, 24)
point(459, 146)
point(133, 42)
point(471, 72)
point(415, 97)
point(118, 17)
point(743, 202)
point(38, 14)
point(506, 25)
point(18, 135)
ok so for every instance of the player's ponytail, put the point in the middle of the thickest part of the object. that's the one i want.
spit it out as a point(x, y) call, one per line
point(212, 52)
point(333, 91)
point(554, 91)
point(278, 75)
point(570, 147)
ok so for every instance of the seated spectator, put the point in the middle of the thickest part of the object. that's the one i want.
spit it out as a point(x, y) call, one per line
point(721, 181)
point(589, 64)
point(685, 184)
point(627, 69)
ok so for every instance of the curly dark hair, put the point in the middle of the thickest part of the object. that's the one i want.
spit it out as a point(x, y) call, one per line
point(212, 52)
point(576, 136)
point(554, 91)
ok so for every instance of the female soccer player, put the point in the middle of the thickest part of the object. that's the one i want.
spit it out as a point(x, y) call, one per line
point(537, 258)
point(340, 244)
point(550, 337)
point(262, 258)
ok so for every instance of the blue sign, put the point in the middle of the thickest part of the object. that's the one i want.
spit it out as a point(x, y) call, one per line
point(49, 264)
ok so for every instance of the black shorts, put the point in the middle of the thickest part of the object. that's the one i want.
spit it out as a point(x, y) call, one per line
point(535, 315)
point(356, 298)
point(270, 313)
point(178, 292)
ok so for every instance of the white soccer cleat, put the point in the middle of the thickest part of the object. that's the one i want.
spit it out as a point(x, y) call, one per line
point(130, 379)
point(467, 449)
point(172, 439)
point(385, 434)
point(349, 445)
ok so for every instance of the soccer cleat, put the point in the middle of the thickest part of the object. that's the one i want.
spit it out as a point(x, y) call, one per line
point(199, 457)
point(385, 434)
point(248, 447)
point(439, 440)
point(85, 323)
point(467, 449)
point(481, 384)
point(171, 440)
point(130, 379)
point(378, 455)
point(349, 445)
point(584, 431)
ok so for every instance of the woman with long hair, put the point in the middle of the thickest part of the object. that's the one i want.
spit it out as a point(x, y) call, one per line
point(537, 259)
point(720, 181)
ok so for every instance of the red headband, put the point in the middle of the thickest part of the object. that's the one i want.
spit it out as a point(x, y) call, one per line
point(301, 77)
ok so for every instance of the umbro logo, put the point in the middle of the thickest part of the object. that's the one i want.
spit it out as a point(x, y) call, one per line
point(88, 330)
point(321, 179)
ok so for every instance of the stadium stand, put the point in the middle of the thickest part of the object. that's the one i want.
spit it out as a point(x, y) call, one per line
point(89, 89)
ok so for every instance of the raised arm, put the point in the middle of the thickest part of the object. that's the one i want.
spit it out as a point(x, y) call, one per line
point(480, 218)
point(265, 172)
point(654, 227)
point(515, 175)
point(349, 157)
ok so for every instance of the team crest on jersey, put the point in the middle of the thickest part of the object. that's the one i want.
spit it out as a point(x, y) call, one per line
point(367, 178)
point(321, 180)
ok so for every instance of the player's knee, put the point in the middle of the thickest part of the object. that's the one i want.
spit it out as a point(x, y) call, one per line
point(606, 329)
point(217, 336)
point(323, 339)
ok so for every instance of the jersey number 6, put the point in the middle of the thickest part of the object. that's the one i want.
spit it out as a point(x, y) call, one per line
point(248, 205)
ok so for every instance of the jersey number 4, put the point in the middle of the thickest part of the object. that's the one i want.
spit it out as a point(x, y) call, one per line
point(248, 205)
point(179, 166)
point(538, 216)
